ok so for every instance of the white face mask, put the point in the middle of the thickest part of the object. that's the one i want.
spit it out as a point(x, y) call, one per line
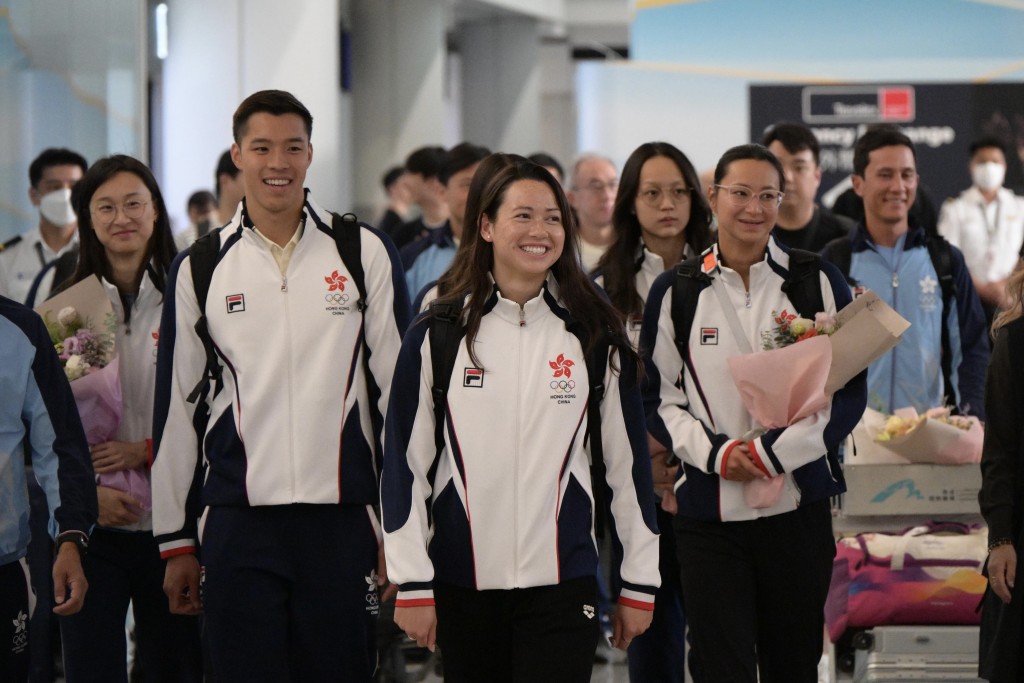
point(988, 176)
point(56, 207)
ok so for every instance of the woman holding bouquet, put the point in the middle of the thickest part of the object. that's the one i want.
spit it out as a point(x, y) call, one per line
point(660, 217)
point(488, 520)
point(126, 241)
point(1002, 494)
point(755, 573)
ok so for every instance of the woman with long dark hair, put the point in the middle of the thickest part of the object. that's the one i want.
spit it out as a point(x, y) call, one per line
point(661, 216)
point(490, 534)
point(126, 242)
point(1002, 493)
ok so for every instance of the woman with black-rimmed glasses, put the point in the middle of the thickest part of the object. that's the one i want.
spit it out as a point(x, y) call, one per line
point(126, 242)
point(660, 217)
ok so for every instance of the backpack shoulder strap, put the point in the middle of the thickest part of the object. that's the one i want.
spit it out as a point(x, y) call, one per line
point(941, 253)
point(803, 284)
point(446, 331)
point(346, 232)
point(203, 255)
point(686, 288)
point(597, 364)
point(840, 252)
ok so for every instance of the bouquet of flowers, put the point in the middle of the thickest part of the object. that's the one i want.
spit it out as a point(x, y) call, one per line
point(803, 362)
point(937, 437)
point(85, 347)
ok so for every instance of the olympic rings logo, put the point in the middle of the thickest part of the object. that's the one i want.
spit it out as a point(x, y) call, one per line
point(336, 298)
point(564, 385)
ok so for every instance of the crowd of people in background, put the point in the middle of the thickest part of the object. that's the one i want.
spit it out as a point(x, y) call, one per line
point(498, 400)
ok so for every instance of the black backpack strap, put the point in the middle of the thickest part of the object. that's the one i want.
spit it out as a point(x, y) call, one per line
point(687, 285)
point(839, 252)
point(346, 231)
point(597, 364)
point(446, 331)
point(941, 254)
point(202, 256)
point(803, 284)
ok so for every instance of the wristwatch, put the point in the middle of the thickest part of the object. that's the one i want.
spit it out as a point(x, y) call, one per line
point(79, 538)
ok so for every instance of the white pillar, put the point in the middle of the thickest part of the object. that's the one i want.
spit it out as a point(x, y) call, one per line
point(398, 64)
point(501, 77)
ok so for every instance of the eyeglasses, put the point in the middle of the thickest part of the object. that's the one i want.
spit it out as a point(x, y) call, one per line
point(653, 195)
point(106, 212)
point(740, 196)
point(599, 187)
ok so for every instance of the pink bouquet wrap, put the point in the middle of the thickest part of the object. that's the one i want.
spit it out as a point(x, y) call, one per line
point(934, 441)
point(98, 398)
point(781, 386)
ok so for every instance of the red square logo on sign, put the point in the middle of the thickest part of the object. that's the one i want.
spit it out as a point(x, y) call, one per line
point(896, 104)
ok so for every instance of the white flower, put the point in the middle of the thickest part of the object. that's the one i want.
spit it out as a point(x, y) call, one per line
point(75, 367)
point(67, 315)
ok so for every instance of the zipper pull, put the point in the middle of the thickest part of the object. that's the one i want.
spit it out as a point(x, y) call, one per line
point(284, 283)
point(895, 279)
point(522, 317)
point(747, 302)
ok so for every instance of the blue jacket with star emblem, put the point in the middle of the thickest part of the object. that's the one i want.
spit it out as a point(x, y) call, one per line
point(306, 377)
point(507, 501)
point(911, 373)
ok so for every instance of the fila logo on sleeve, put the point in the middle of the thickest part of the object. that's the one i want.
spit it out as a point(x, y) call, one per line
point(236, 303)
point(472, 377)
point(709, 336)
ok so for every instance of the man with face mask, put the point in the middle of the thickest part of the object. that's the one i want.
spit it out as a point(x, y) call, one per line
point(52, 175)
point(987, 223)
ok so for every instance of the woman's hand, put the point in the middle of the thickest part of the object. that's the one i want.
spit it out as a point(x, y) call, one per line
point(740, 466)
point(114, 456)
point(628, 623)
point(419, 623)
point(117, 508)
point(664, 474)
point(1002, 568)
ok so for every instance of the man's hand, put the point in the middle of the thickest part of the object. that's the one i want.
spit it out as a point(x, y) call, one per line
point(628, 623)
point(114, 456)
point(117, 508)
point(1002, 569)
point(390, 590)
point(740, 466)
point(69, 584)
point(419, 623)
point(181, 585)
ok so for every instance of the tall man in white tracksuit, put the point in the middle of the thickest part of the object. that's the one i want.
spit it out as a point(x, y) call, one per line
point(272, 518)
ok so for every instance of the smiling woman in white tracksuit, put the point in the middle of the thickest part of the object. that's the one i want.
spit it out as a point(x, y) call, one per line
point(126, 241)
point(754, 579)
point(491, 537)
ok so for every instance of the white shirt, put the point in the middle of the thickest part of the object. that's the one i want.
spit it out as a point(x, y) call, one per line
point(988, 234)
point(21, 262)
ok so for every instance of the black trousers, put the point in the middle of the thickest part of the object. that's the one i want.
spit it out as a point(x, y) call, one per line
point(755, 594)
point(121, 567)
point(523, 635)
point(14, 619)
point(290, 593)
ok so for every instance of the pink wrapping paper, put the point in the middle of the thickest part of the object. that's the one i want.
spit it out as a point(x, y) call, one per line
point(938, 443)
point(98, 398)
point(781, 386)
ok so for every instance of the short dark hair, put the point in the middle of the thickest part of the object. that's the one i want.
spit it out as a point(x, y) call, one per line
point(225, 166)
point(391, 176)
point(426, 161)
point(876, 137)
point(985, 143)
point(460, 157)
point(276, 102)
point(201, 199)
point(548, 161)
point(92, 258)
point(795, 137)
point(750, 151)
point(54, 156)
